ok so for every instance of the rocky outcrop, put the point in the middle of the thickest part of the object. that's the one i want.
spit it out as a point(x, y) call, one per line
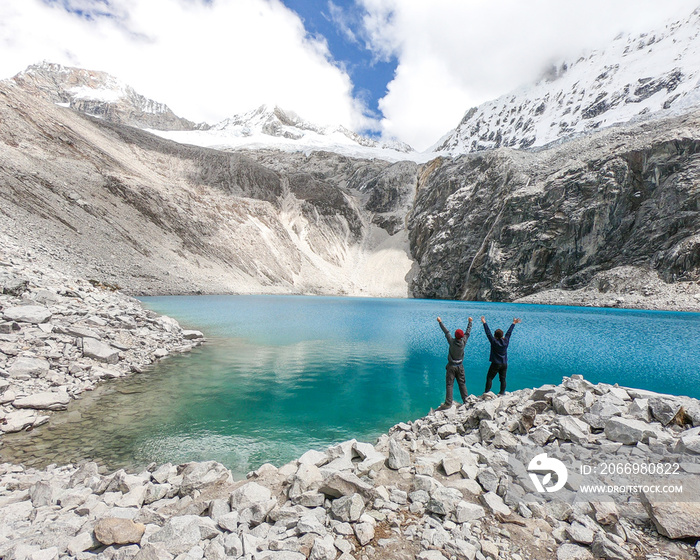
point(100, 95)
point(61, 335)
point(463, 486)
point(501, 225)
point(635, 77)
point(184, 219)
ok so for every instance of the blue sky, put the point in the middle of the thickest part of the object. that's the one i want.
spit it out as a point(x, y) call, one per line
point(400, 69)
point(339, 23)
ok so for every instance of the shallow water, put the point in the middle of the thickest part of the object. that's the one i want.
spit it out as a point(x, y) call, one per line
point(283, 374)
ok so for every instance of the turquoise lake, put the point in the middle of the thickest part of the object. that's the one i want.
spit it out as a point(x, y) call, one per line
point(283, 374)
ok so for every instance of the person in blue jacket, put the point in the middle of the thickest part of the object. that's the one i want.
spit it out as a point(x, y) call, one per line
point(499, 355)
point(454, 368)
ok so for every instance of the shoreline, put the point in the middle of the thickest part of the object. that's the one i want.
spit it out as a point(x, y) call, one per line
point(450, 484)
point(433, 488)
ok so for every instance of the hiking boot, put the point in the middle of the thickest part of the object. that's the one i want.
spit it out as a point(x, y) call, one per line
point(444, 406)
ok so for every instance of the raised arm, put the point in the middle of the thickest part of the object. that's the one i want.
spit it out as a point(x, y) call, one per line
point(468, 331)
point(487, 330)
point(445, 330)
point(510, 330)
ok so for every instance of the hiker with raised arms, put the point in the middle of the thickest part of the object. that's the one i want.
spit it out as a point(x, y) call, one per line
point(455, 368)
point(499, 355)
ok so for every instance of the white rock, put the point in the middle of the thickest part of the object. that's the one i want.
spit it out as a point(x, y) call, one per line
point(313, 457)
point(50, 400)
point(398, 456)
point(323, 549)
point(348, 508)
point(248, 495)
point(100, 351)
point(570, 551)
point(17, 421)
point(27, 314)
point(364, 532)
point(628, 431)
point(494, 503)
point(24, 368)
point(192, 334)
point(467, 511)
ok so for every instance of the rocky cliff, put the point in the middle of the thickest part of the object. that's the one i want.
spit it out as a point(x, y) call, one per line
point(101, 95)
point(641, 76)
point(503, 224)
point(154, 216)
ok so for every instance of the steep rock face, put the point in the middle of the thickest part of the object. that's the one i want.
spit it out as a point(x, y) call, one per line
point(503, 224)
point(649, 75)
point(153, 216)
point(100, 95)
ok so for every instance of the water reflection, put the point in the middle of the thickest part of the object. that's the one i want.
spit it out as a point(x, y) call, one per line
point(281, 375)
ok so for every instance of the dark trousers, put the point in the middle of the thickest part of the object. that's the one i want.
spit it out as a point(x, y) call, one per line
point(499, 369)
point(455, 372)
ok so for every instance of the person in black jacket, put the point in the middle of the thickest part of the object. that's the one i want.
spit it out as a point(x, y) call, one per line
point(499, 355)
point(455, 368)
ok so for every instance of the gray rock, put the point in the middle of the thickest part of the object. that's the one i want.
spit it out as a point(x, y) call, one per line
point(506, 440)
point(249, 495)
point(664, 409)
point(50, 400)
point(639, 410)
point(311, 524)
point(348, 508)
point(678, 519)
point(443, 500)
point(228, 521)
point(182, 533)
point(570, 428)
point(488, 479)
point(18, 421)
point(113, 530)
point(100, 351)
point(34, 314)
point(628, 431)
point(580, 533)
point(467, 511)
point(323, 549)
point(313, 457)
point(307, 478)
point(192, 334)
point(337, 484)
point(462, 549)
point(200, 476)
point(570, 551)
point(81, 543)
point(603, 547)
point(24, 368)
point(606, 512)
point(494, 503)
point(487, 430)
point(398, 456)
point(364, 532)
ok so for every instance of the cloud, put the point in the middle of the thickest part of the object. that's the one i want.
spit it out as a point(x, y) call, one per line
point(456, 54)
point(206, 60)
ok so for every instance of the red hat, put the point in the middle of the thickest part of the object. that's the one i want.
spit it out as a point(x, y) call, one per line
point(459, 333)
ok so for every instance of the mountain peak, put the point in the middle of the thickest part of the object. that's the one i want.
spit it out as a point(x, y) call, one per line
point(98, 94)
point(637, 76)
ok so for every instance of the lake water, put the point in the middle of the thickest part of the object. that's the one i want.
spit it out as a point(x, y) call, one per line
point(283, 374)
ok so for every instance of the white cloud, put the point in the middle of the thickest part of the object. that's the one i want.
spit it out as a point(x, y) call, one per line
point(206, 61)
point(455, 54)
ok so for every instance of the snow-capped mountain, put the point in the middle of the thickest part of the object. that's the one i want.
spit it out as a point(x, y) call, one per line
point(636, 76)
point(275, 128)
point(99, 94)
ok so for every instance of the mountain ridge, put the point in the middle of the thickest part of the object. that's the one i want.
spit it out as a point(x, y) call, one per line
point(636, 77)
